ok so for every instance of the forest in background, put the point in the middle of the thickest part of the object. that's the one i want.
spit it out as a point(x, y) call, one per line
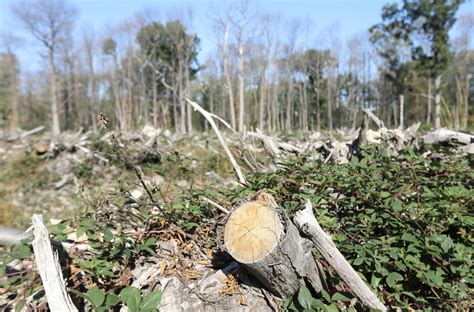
point(263, 73)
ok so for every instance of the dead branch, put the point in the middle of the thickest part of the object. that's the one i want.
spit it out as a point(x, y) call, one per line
point(210, 119)
point(213, 203)
point(307, 224)
point(375, 119)
point(49, 269)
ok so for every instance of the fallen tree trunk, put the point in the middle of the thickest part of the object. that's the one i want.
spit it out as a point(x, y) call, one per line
point(307, 223)
point(259, 235)
point(444, 135)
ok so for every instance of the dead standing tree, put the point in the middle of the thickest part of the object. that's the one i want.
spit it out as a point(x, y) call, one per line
point(46, 20)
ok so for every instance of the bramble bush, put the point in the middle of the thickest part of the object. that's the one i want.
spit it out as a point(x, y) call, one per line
point(404, 224)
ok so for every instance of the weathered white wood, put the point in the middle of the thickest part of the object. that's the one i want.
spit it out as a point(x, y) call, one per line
point(32, 131)
point(444, 135)
point(213, 203)
point(307, 223)
point(375, 119)
point(210, 118)
point(272, 146)
point(49, 269)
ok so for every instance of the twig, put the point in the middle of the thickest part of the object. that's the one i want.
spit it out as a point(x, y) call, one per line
point(103, 122)
point(213, 203)
point(209, 118)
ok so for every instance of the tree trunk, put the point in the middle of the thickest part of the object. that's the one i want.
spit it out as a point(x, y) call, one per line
point(329, 105)
point(261, 105)
point(182, 108)
point(54, 100)
point(93, 91)
point(259, 235)
point(289, 98)
point(189, 118)
point(228, 79)
point(14, 95)
point(402, 114)
point(129, 101)
point(306, 112)
point(318, 109)
point(428, 115)
point(155, 101)
point(241, 89)
point(458, 104)
point(438, 102)
point(466, 103)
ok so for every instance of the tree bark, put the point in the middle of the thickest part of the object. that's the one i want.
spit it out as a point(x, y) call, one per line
point(241, 88)
point(329, 100)
point(289, 99)
point(155, 100)
point(429, 113)
point(402, 114)
point(225, 66)
point(466, 103)
point(261, 105)
point(54, 99)
point(438, 102)
point(14, 93)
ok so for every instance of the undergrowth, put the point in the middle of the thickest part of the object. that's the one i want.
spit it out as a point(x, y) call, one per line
point(404, 224)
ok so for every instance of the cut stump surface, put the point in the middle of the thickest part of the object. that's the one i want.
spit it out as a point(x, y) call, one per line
point(252, 232)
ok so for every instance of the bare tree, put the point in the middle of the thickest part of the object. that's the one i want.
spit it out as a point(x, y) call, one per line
point(89, 44)
point(45, 20)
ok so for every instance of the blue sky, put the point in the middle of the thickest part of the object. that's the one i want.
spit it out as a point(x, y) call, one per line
point(349, 16)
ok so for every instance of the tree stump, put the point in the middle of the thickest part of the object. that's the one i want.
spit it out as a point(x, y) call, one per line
point(259, 235)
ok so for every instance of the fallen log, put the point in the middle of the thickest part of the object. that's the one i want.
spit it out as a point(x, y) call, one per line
point(444, 135)
point(259, 235)
point(307, 223)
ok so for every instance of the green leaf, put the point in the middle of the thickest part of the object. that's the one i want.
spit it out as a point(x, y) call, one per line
point(325, 295)
point(384, 194)
point(375, 280)
point(318, 305)
point(131, 297)
point(95, 296)
point(22, 251)
point(392, 278)
point(20, 305)
point(447, 244)
point(409, 238)
point(305, 298)
point(111, 300)
point(339, 297)
point(358, 261)
point(151, 301)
